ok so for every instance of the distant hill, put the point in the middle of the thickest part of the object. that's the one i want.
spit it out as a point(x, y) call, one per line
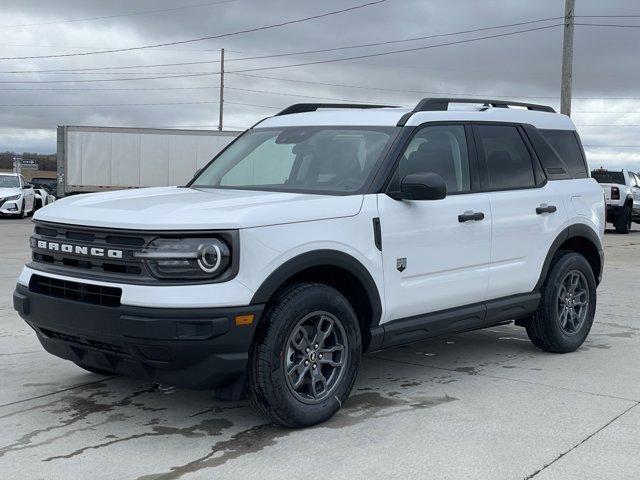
point(45, 162)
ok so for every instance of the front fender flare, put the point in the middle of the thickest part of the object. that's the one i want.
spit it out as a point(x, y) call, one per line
point(318, 258)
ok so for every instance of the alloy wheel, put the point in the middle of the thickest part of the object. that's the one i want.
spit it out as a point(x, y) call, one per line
point(573, 301)
point(316, 357)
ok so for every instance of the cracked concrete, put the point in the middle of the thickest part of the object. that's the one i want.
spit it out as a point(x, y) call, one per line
point(480, 405)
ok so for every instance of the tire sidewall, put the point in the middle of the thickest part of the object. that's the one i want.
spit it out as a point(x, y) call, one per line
point(318, 298)
point(568, 342)
point(623, 222)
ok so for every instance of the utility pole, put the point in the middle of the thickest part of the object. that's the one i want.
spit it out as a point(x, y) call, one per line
point(567, 57)
point(221, 105)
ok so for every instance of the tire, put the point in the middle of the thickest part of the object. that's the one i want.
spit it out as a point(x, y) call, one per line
point(23, 212)
point(285, 341)
point(553, 327)
point(97, 371)
point(623, 221)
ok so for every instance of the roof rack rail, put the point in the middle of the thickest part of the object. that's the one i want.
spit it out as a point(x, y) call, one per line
point(442, 104)
point(312, 107)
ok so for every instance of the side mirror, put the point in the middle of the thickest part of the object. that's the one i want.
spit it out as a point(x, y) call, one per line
point(421, 186)
point(26, 186)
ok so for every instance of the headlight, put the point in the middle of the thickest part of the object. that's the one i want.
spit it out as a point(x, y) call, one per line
point(14, 197)
point(186, 258)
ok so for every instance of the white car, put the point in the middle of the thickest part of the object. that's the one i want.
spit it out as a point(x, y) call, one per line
point(43, 197)
point(622, 195)
point(321, 233)
point(17, 196)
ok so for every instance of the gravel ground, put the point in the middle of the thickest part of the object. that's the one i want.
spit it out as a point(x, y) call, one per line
point(480, 405)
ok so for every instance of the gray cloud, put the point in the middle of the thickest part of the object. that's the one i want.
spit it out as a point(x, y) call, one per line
point(525, 66)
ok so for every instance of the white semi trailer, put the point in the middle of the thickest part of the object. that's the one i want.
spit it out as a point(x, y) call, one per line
point(93, 159)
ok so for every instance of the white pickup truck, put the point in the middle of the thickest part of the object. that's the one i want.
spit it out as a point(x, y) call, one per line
point(622, 194)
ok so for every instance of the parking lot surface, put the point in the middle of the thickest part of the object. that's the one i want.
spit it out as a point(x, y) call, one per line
point(480, 405)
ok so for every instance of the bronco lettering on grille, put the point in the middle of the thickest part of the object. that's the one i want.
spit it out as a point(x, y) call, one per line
point(79, 249)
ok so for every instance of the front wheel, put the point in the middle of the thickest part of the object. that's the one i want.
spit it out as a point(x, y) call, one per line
point(305, 357)
point(567, 305)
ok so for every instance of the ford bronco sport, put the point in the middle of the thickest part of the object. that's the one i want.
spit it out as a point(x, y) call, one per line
point(321, 233)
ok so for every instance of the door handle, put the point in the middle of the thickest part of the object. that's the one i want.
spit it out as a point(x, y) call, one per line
point(546, 209)
point(470, 216)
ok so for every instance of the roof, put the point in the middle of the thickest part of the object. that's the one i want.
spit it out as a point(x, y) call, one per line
point(391, 117)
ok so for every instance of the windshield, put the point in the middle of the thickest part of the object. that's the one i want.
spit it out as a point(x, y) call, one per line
point(326, 160)
point(604, 176)
point(9, 181)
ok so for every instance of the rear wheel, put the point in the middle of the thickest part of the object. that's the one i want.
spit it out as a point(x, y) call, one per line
point(305, 358)
point(567, 306)
point(623, 221)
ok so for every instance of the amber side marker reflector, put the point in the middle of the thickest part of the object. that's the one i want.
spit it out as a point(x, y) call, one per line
point(244, 320)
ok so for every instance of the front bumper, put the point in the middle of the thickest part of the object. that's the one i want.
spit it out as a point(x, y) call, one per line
point(10, 207)
point(187, 347)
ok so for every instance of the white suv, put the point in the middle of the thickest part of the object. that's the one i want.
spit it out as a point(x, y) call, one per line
point(321, 233)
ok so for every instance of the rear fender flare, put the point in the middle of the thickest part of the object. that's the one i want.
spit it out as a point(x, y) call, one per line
point(573, 231)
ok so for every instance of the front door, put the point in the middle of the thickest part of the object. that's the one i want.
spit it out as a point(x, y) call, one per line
point(436, 252)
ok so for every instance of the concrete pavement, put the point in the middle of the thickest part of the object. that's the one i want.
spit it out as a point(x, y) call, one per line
point(480, 405)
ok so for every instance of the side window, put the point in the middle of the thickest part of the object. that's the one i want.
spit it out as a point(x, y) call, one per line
point(635, 180)
point(507, 159)
point(565, 143)
point(440, 149)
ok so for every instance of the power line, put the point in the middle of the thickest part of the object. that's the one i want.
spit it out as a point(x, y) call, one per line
point(316, 62)
point(607, 25)
point(146, 12)
point(122, 89)
point(363, 87)
point(276, 55)
point(313, 97)
point(607, 16)
point(405, 50)
point(111, 79)
point(209, 37)
point(341, 85)
point(131, 104)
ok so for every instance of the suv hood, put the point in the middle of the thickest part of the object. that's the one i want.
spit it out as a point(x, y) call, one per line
point(177, 208)
point(9, 192)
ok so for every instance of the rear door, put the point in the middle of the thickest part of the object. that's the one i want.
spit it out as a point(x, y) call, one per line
point(433, 258)
point(527, 212)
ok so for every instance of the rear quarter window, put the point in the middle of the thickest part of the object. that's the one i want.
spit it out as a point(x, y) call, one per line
point(567, 146)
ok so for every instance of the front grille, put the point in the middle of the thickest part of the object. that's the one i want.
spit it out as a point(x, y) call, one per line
point(74, 246)
point(98, 345)
point(79, 292)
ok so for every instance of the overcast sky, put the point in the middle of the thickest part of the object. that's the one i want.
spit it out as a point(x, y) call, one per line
point(524, 66)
